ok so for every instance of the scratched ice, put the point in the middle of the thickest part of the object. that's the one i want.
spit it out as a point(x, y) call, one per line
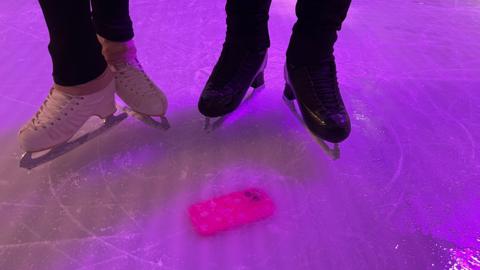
point(405, 193)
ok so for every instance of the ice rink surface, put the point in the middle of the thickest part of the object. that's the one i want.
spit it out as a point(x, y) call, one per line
point(405, 193)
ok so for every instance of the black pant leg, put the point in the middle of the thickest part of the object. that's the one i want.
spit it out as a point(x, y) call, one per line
point(76, 54)
point(315, 31)
point(112, 19)
point(247, 23)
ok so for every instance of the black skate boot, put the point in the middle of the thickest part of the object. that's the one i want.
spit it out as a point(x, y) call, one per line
point(316, 90)
point(237, 69)
point(242, 61)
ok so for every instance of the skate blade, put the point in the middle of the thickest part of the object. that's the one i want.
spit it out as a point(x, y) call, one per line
point(163, 124)
point(331, 151)
point(213, 123)
point(29, 162)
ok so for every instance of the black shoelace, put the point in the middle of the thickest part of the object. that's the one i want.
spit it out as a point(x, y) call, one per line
point(325, 86)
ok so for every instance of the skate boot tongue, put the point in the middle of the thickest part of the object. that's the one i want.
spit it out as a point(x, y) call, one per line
point(323, 78)
point(123, 64)
point(48, 112)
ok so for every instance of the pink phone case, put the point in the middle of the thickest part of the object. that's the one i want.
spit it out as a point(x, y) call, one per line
point(229, 211)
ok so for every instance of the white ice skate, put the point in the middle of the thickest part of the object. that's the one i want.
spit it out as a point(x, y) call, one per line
point(143, 98)
point(59, 119)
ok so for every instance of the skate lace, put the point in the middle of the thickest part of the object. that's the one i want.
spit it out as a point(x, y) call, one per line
point(129, 79)
point(324, 82)
point(122, 65)
point(48, 114)
point(217, 93)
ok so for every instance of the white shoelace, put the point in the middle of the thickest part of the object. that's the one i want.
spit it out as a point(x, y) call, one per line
point(53, 104)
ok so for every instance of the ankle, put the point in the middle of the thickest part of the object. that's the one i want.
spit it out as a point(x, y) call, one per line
point(321, 60)
point(88, 88)
point(117, 52)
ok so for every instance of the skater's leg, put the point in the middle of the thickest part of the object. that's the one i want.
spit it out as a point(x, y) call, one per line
point(115, 33)
point(112, 19)
point(242, 60)
point(75, 51)
point(83, 87)
point(311, 71)
point(247, 23)
point(315, 32)
point(115, 29)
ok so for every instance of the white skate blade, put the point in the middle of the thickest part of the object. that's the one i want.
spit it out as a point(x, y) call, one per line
point(332, 152)
point(163, 124)
point(213, 123)
point(29, 162)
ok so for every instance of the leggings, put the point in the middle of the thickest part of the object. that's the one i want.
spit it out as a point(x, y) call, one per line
point(73, 25)
point(314, 33)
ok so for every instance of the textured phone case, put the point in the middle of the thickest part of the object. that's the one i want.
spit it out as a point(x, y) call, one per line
point(229, 211)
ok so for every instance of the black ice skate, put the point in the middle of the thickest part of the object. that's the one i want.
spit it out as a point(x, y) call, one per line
point(318, 97)
point(237, 69)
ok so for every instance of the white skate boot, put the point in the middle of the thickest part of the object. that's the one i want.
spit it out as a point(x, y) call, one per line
point(62, 114)
point(143, 98)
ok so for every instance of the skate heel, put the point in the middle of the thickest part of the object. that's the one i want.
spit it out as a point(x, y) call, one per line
point(107, 109)
point(259, 81)
point(288, 92)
